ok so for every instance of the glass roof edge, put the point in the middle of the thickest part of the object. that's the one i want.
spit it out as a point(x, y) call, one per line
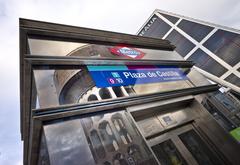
point(133, 100)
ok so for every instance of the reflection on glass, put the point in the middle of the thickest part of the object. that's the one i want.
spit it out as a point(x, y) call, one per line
point(168, 154)
point(135, 152)
point(155, 28)
point(129, 89)
point(205, 62)
point(114, 140)
point(225, 45)
point(118, 51)
point(104, 93)
point(195, 30)
point(92, 98)
point(232, 78)
point(220, 118)
point(183, 45)
point(70, 86)
point(97, 144)
point(227, 101)
point(198, 148)
point(118, 91)
point(43, 153)
point(170, 18)
point(121, 128)
point(119, 159)
point(108, 137)
point(67, 144)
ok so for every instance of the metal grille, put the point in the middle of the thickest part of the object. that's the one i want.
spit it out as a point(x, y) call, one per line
point(113, 139)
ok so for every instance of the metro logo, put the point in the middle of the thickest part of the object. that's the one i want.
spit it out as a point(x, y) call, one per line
point(127, 51)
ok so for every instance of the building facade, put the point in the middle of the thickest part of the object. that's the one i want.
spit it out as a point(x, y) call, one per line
point(213, 48)
point(215, 51)
point(99, 97)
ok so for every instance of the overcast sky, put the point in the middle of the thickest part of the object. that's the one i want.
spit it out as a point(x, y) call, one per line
point(125, 16)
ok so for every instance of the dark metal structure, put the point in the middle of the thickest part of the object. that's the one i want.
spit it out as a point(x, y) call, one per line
point(207, 44)
point(214, 50)
point(161, 123)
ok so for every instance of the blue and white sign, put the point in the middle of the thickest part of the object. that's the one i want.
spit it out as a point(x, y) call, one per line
point(107, 76)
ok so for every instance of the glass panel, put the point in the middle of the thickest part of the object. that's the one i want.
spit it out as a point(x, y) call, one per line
point(43, 153)
point(67, 144)
point(207, 63)
point(227, 101)
point(195, 30)
point(155, 28)
point(198, 148)
point(232, 78)
point(225, 45)
point(168, 154)
point(170, 18)
point(109, 138)
point(183, 45)
point(119, 51)
point(96, 83)
point(218, 116)
point(118, 91)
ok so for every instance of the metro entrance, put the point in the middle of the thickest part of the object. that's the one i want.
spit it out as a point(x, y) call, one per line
point(84, 100)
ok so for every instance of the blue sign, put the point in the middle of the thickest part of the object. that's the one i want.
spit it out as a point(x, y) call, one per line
point(107, 76)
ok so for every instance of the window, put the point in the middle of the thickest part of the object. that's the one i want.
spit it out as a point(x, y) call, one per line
point(220, 118)
point(105, 138)
point(207, 63)
point(170, 18)
point(226, 45)
point(167, 153)
point(195, 30)
point(59, 86)
point(118, 91)
point(233, 79)
point(198, 148)
point(104, 93)
point(51, 47)
point(155, 28)
point(227, 101)
point(92, 98)
point(183, 45)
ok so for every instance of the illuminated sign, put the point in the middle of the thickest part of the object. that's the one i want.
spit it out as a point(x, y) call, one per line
point(107, 76)
point(127, 51)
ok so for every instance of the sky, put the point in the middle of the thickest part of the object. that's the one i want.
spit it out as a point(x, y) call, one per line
point(121, 16)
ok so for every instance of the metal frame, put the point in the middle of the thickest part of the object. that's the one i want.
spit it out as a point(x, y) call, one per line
point(48, 114)
point(32, 120)
point(37, 29)
point(37, 60)
point(230, 69)
point(173, 135)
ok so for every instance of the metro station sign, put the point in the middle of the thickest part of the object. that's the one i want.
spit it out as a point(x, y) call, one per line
point(108, 76)
point(127, 51)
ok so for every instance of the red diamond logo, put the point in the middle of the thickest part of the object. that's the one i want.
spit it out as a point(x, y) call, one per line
point(127, 51)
